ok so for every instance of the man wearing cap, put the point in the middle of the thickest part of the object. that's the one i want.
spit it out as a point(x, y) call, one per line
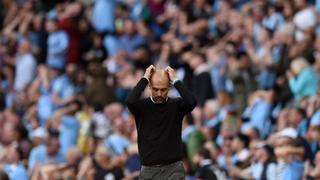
point(159, 122)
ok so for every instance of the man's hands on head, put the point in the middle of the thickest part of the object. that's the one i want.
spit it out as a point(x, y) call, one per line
point(151, 69)
point(172, 73)
point(149, 72)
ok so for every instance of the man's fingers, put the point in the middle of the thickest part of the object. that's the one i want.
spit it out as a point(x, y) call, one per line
point(150, 68)
point(168, 68)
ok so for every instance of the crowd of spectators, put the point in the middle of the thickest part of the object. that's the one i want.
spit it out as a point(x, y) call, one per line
point(66, 68)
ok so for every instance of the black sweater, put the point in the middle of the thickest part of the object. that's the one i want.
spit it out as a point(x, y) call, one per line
point(159, 125)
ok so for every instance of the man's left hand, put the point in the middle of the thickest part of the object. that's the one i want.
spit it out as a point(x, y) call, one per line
point(171, 72)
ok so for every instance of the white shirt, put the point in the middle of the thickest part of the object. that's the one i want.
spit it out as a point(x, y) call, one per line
point(26, 68)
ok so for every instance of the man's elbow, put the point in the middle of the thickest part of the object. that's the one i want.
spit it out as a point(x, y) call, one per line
point(193, 102)
point(130, 100)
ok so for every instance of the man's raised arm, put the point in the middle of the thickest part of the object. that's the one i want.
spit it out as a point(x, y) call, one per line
point(136, 92)
point(188, 100)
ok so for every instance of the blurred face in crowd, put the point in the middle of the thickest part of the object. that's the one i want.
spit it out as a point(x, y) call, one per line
point(73, 155)
point(160, 85)
point(24, 46)
point(263, 36)
point(317, 44)
point(53, 146)
point(37, 21)
point(200, 3)
point(113, 110)
point(317, 159)
point(195, 61)
point(283, 120)
point(97, 41)
point(51, 26)
point(315, 133)
point(102, 154)
point(282, 141)
point(226, 147)
point(8, 133)
point(261, 154)
point(71, 71)
point(252, 133)
point(300, 4)
point(210, 109)
point(129, 27)
point(223, 98)
point(12, 155)
point(257, 13)
point(294, 117)
point(236, 144)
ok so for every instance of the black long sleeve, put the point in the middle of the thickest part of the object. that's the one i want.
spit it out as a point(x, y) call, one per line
point(188, 100)
point(135, 94)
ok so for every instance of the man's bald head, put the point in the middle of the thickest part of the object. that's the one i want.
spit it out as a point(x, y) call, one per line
point(160, 85)
point(160, 76)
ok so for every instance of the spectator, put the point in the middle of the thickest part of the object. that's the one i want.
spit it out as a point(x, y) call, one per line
point(131, 39)
point(25, 66)
point(291, 153)
point(239, 147)
point(13, 167)
point(302, 79)
point(200, 80)
point(62, 170)
point(102, 21)
point(207, 169)
point(43, 154)
point(297, 120)
point(314, 172)
point(57, 45)
point(64, 121)
point(101, 164)
point(264, 166)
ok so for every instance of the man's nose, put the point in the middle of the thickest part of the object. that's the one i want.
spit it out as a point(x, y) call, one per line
point(159, 93)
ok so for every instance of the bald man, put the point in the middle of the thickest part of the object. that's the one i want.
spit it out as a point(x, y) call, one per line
point(158, 122)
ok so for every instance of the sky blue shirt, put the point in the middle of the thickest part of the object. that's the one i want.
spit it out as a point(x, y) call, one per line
point(257, 168)
point(294, 170)
point(315, 119)
point(39, 155)
point(302, 127)
point(317, 5)
point(26, 68)
point(45, 108)
point(16, 171)
point(58, 43)
point(69, 129)
point(274, 21)
point(212, 122)
point(304, 84)
point(63, 87)
point(117, 143)
point(186, 133)
point(259, 114)
point(130, 43)
point(103, 15)
point(219, 80)
point(111, 44)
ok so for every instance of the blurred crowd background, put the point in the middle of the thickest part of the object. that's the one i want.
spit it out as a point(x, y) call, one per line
point(66, 68)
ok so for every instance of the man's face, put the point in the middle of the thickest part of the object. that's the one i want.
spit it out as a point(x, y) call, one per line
point(160, 86)
point(159, 92)
point(12, 155)
point(51, 26)
point(53, 146)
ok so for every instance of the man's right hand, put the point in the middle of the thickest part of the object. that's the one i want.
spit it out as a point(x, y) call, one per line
point(149, 72)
